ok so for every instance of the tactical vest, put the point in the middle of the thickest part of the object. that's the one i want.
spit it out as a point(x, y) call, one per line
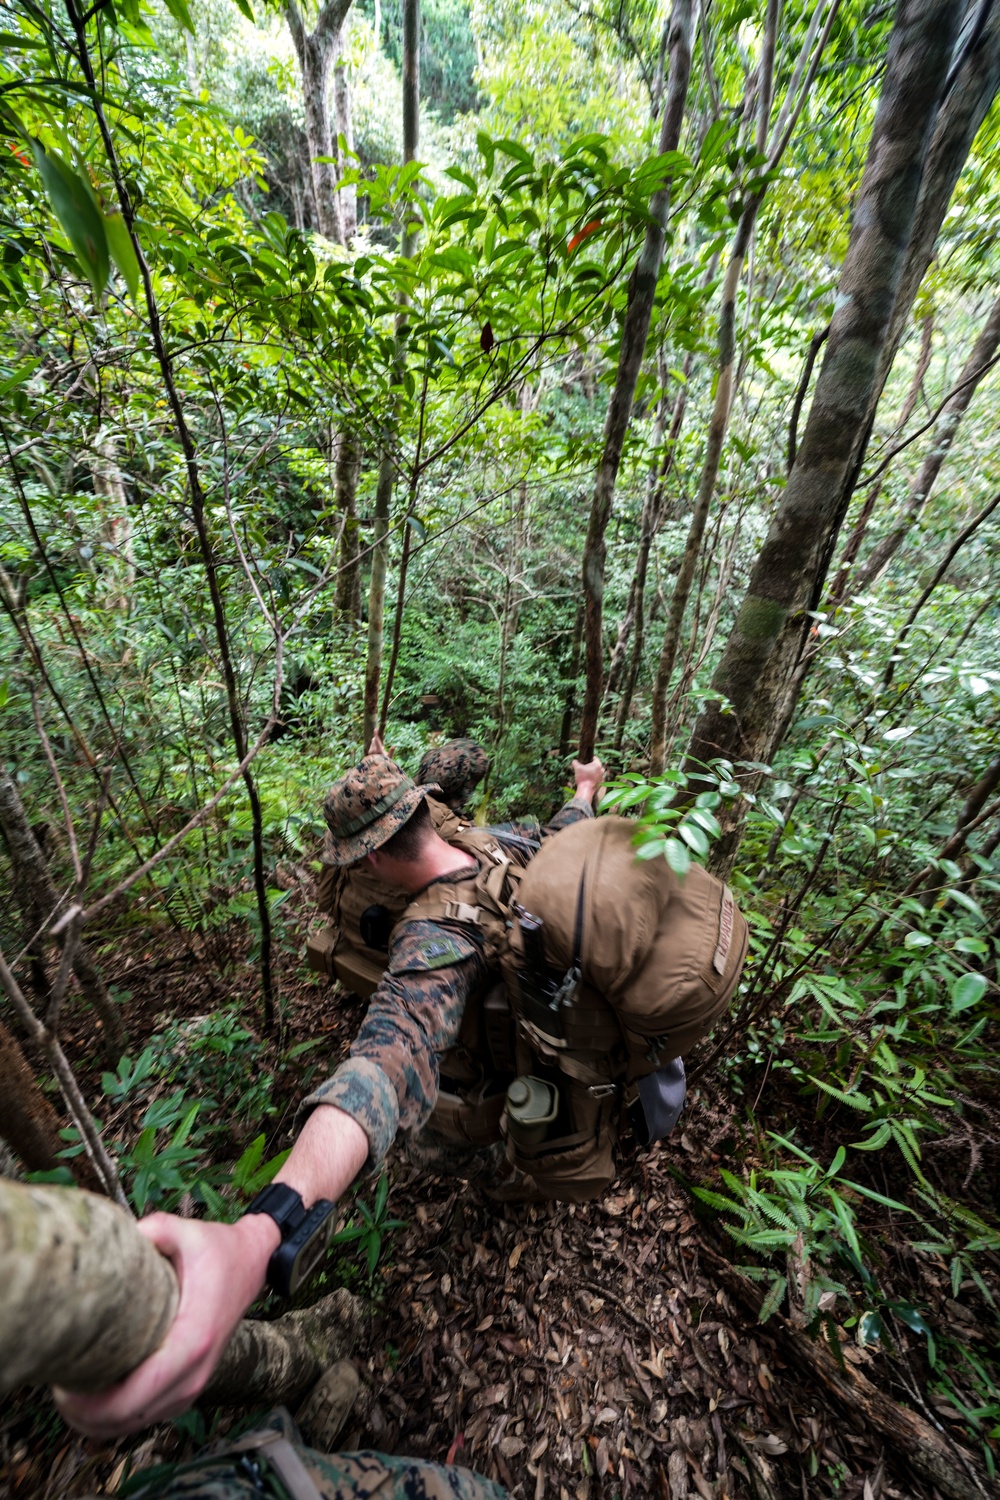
point(637, 966)
point(353, 945)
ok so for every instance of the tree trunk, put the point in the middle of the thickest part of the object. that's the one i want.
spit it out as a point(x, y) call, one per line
point(37, 897)
point(118, 570)
point(569, 706)
point(316, 51)
point(641, 292)
point(348, 194)
point(652, 501)
point(347, 600)
point(970, 92)
point(28, 1123)
point(387, 465)
point(706, 487)
point(838, 590)
point(719, 423)
point(922, 1448)
point(84, 1298)
point(376, 592)
point(760, 654)
point(975, 367)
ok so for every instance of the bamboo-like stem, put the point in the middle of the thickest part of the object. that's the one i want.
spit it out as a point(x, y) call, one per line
point(387, 465)
point(198, 506)
point(635, 331)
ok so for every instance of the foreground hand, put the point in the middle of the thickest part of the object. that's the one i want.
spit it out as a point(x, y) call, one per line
point(376, 747)
point(221, 1269)
point(589, 778)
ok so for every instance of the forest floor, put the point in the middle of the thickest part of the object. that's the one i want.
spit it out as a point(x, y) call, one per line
point(571, 1351)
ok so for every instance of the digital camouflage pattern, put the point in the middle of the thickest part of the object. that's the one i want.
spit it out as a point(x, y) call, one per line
point(390, 1081)
point(457, 768)
point(367, 806)
point(338, 1476)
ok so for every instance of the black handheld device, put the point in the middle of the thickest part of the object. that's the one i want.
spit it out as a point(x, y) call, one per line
point(305, 1235)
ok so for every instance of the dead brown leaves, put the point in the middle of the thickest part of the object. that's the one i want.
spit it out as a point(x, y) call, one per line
point(584, 1351)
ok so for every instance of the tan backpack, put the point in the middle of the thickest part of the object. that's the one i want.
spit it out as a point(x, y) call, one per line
point(632, 966)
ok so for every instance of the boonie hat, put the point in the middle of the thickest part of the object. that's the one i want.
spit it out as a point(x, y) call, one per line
point(457, 767)
point(366, 807)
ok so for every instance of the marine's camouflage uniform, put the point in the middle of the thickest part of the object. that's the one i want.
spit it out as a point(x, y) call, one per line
point(337, 1476)
point(390, 1081)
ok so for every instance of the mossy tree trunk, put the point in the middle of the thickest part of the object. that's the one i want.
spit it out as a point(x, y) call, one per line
point(761, 651)
point(316, 51)
point(28, 1123)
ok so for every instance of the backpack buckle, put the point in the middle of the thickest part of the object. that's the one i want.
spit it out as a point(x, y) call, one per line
point(602, 1090)
point(655, 1049)
point(461, 911)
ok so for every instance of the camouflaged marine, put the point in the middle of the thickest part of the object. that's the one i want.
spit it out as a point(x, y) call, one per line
point(456, 768)
point(275, 1462)
point(365, 808)
point(409, 1058)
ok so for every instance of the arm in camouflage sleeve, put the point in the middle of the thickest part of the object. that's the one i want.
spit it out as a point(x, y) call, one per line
point(571, 812)
point(588, 779)
point(390, 1081)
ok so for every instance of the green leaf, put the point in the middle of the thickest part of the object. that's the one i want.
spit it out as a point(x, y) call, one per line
point(178, 9)
point(855, 1100)
point(122, 251)
point(876, 1141)
point(247, 1163)
point(870, 1328)
point(964, 899)
point(773, 1300)
point(487, 150)
point(967, 991)
point(74, 206)
point(909, 1315)
point(16, 42)
point(695, 837)
point(217, 1206)
point(19, 376)
point(677, 857)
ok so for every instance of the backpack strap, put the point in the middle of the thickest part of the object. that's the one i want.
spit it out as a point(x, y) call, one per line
point(481, 900)
point(279, 1454)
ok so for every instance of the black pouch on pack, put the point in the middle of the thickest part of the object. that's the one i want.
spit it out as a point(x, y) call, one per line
point(547, 993)
point(656, 1110)
point(375, 925)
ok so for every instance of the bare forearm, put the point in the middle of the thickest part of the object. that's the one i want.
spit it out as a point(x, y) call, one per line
point(329, 1153)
